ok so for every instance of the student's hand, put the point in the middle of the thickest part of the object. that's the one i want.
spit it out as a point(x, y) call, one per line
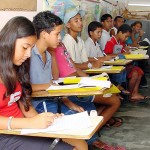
point(43, 120)
point(141, 33)
point(127, 49)
point(97, 64)
point(108, 57)
point(77, 108)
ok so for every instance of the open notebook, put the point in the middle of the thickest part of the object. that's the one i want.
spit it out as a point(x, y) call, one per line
point(85, 85)
point(68, 122)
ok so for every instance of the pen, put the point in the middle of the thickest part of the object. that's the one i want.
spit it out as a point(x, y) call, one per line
point(44, 105)
point(95, 58)
point(104, 54)
point(124, 50)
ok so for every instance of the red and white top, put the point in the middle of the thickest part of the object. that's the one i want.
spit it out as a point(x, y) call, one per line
point(8, 105)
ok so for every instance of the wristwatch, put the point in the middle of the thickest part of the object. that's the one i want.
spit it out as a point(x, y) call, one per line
point(90, 65)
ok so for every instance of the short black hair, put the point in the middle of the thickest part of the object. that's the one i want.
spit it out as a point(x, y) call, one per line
point(125, 28)
point(93, 26)
point(46, 21)
point(137, 22)
point(105, 17)
point(118, 17)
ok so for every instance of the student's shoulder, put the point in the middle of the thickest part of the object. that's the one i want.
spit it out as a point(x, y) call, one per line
point(67, 37)
point(88, 41)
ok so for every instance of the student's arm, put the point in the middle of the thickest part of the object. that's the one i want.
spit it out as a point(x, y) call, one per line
point(28, 114)
point(72, 105)
point(39, 121)
point(55, 70)
point(95, 64)
point(79, 71)
point(41, 87)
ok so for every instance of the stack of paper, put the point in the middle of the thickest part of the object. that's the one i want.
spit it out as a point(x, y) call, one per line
point(105, 68)
point(138, 51)
point(74, 80)
point(85, 85)
point(73, 122)
point(91, 82)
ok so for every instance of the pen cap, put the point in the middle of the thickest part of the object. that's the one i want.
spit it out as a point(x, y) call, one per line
point(93, 113)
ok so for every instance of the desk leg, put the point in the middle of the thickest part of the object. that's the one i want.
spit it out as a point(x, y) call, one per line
point(59, 99)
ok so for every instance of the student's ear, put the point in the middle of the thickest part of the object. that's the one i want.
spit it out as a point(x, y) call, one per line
point(43, 34)
point(120, 33)
point(91, 33)
point(68, 25)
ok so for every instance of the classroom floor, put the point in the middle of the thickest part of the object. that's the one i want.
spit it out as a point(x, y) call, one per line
point(134, 133)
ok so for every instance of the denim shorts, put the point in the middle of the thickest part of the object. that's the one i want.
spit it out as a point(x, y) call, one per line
point(52, 106)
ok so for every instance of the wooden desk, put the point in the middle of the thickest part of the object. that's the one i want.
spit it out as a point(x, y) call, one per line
point(63, 94)
point(58, 96)
point(109, 70)
point(118, 63)
point(84, 134)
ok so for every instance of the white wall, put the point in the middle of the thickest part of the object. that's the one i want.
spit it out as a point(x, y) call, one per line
point(7, 15)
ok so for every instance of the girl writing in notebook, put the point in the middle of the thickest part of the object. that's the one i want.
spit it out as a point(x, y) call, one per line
point(16, 41)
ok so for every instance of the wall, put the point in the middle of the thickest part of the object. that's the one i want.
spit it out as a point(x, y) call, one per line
point(6, 15)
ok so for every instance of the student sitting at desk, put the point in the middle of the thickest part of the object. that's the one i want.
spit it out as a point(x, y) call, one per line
point(136, 40)
point(136, 35)
point(76, 48)
point(118, 21)
point(94, 51)
point(106, 20)
point(16, 112)
point(91, 45)
point(116, 45)
point(48, 27)
point(65, 63)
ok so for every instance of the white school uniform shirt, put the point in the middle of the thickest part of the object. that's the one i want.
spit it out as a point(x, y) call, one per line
point(93, 49)
point(104, 38)
point(76, 49)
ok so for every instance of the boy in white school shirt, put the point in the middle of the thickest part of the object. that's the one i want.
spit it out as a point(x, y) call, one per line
point(106, 20)
point(76, 48)
point(92, 47)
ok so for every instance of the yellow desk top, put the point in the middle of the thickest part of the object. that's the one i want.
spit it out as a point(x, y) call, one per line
point(136, 56)
point(78, 134)
point(119, 62)
point(112, 70)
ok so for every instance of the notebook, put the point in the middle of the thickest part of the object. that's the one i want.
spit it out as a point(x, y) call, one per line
point(67, 122)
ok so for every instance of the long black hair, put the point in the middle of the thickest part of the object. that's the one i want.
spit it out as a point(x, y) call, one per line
point(17, 27)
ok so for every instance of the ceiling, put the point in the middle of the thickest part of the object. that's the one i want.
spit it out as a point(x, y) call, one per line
point(142, 12)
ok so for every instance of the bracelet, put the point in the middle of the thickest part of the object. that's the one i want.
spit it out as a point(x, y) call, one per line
point(9, 122)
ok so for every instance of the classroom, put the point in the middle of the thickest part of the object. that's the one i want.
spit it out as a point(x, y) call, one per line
point(74, 74)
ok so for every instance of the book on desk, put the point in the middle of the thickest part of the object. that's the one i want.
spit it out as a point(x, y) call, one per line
point(85, 85)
